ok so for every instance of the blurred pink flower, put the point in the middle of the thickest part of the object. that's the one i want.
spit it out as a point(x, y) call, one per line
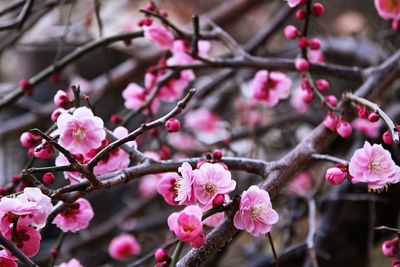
point(388, 9)
point(75, 217)
point(123, 246)
point(71, 263)
point(293, 3)
point(159, 34)
point(373, 165)
point(370, 129)
point(135, 96)
point(296, 100)
point(185, 192)
point(315, 56)
point(201, 120)
point(167, 187)
point(187, 225)
point(270, 87)
point(255, 214)
point(211, 180)
point(81, 131)
point(301, 184)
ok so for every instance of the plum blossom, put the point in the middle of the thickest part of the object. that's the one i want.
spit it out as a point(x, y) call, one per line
point(187, 225)
point(373, 164)
point(296, 100)
point(6, 261)
point(71, 263)
point(211, 180)
point(149, 183)
point(255, 214)
point(202, 120)
point(26, 238)
point(301, 184)
point(388, 9)
point(184, 185)
point(135, 96)
point(81, 131)
point(159, 34)
point(293, 3)
point(174, 88)
point(270, 87)
point(123, 246)
point(167, 187)
point(75, 217)
point(214, 220)
point(370, 129)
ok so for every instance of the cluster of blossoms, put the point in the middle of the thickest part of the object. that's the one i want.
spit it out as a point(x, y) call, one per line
point(391, 248)
point(389, 10)
point(371, 164)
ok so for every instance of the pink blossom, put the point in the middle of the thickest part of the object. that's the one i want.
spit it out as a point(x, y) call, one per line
point(390, 247)
point(315, 56)
point(214, 220)
point(183, 141)
point(71, 263)
point(335, 175)
point(293, 3)
point(62, 100)
point(187, 225)
point(73, 177)
point(201, 120)
point(135, 96)
point(28, 139)
point(6, 261)
point(81, 131)
point(388, 9)
point(148, 185)
point(301, 184)
point(167, 187)
point(270, 87)
point(211, 180)
point(373, 165)
point(159, 34)
point(123, 246)
point(43, 151)
point(370, 129)
point(75, 217)
point(296, 100)
point(185, 191)
point(331, 121)
point(255, 214)
point(175, 87)
point(26, 238)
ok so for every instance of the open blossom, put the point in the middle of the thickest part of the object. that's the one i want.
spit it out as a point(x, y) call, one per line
point(159, 34)
point(373, 164)
point(135, 96)
point(187, 225)
point(75, 217)
point(71, 263)
point(255, 214)
point(6, 261)
point(388, 9)
point(81, 131)
point(123, 246)
point(211, 180)
point(167, 187)
point(26, 238)
point(185, 191)
point(270, 87)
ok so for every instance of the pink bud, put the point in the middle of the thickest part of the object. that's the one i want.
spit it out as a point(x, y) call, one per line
point(56, 113)
point(335, 176)
point(44, 150)
point(373, 117)
point(390, 247)
point(387, 137)
point(315, 44)
point(173, 125)
point(62, 100)
point(165, 152)
point(28, 139)
point(344, 129)
point(362, 111)
point(396, 25)
point(331, 99)
point(116, 118)
point(307, 96)
point(318, 9)
point(54, 252)
point(218, 200)
point(26, 87)
point(303, 42)
point(217, 154)
point(301, 64)
point(291, 32)
point(48, 178)
point(161, 255)
point(396, 263)
point(331, 121)
point(322, 85)
point(149, 7)
point(164, 13)
point(305, 84)
point(15, 179)
point(300, 14)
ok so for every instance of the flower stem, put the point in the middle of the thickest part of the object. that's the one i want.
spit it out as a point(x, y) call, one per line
point(176, 254)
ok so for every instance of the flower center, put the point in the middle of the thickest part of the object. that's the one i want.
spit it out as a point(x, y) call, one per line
point(257, 210)
point(393, 5)
point(78, 133)
point(375, 164)
point(210, 188)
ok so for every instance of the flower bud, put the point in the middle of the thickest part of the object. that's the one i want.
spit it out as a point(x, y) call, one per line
point(173, 125)
point(44, 150)
point(390, 247)
point(335, 176)
point(315, 44)
point(161, 255)
point(218, 200)
point(344, 129)
point(362, 112)
point(318, 9)
point(217, 154)
point(307, 96)
point(28, 139)
point(387, 137)
point(300, 14)
point(301, 64)
point(48, 178)
point(291, 32)
point(26, 87)
point(331, 100)
point(331, 121)
point(56, 113)
point(303, 42)
point(373, 117)
point(62, 100)
point(322, 85)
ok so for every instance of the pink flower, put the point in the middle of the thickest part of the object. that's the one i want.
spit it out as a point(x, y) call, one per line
point(123, 246)
point(370, 129)
point(255, 214)
point(71, 263)
point(390, 247)
point(81, 131)
point(201, 120)
point(293, 3)
point(6, 261)
point(373, 165)
point(211, 180)
point(270, 87)
point(214, 220)
point(27, 239)
point(75, 217)
point(296, 100)
point(185, 191)
point(148, 185)
point(135, 96)
point(73, 177)
point(187, 226)
point(315, 56)
point(62, 100)
point(182, 141)
point(301, 184)
point(167, 187)
point(388, 9)
point(331, 121)
point(175, 87)
point(159, 34)
point(28, 139)
point(335, 175)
